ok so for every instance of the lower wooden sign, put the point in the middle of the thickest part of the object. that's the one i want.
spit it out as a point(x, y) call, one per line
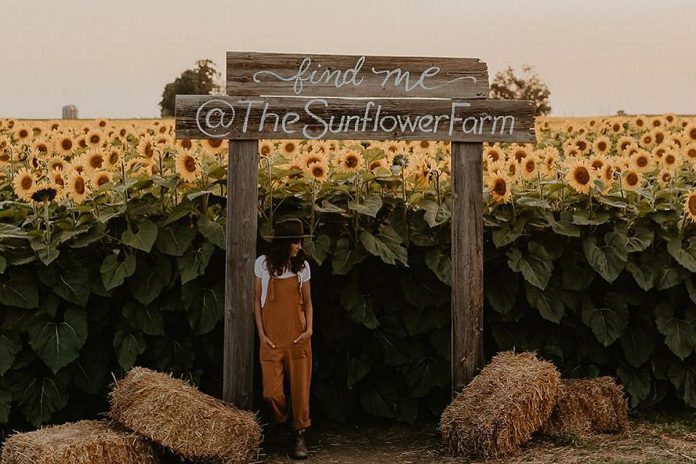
point(245, 117)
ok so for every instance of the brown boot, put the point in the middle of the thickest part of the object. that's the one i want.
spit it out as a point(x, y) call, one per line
point(300, 451)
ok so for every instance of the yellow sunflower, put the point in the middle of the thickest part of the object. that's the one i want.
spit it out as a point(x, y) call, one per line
point(500, 188)
point(616, 127)
point(690, 152)
point(265, 148)
point(94, 159)
point(597, 162)
point(318, 170)
point(657, 121)
point(690, 132)
point(664, 178)
point(43, 148)
point(350, 161)
point(65, 144)
point(146, 147)
point(631, 179)
point(670, 119)
point(24, 184)
point(56, 163)
point(642, 161)
point(100, 178)
point(519, 153)
point(311, 157)
point(23, 133)
point(659, 135)
point(188, 166)
point(393, 147)
point(289, 147)
point(113, 157)
point(580, 176)
point(493, 153)
point(690, 205)
point(625, 144)
point(640, 122)
point(602, 145)
point(46, 191)
point(647, 139)
point(56, 176)
point(676, 140)
point(671, 161)
point(528, 167)
point(95, 138)
point(186, 144)
point(608, 175)
point(77, 188)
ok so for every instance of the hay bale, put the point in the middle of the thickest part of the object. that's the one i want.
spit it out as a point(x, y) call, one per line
point(588, 406)
point(83, 442)
point(501, 408)
point(177, 415)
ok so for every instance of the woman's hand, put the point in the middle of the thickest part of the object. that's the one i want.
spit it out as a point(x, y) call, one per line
point(267, 341)
point(306, 334)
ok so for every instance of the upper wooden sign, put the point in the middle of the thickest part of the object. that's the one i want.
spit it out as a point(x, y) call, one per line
point(282, 74)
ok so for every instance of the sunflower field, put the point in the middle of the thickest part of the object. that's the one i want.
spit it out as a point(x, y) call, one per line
point(112, 237)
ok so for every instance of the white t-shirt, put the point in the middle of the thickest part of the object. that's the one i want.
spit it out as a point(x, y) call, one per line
point(261, 271)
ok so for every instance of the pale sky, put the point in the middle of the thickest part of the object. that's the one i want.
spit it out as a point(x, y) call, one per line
point(113, 59)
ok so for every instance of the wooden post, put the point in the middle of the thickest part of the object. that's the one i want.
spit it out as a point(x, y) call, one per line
point(467, 262)
point(242, 207)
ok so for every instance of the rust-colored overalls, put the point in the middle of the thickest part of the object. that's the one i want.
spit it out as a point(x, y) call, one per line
point(284, 320)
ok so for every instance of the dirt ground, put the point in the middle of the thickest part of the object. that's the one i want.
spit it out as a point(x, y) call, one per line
point(386, 443)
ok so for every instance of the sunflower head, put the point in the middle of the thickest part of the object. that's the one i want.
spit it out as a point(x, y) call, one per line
point(188, 166)
point(580, 176)
point(318, 171)
point(690, 132)
point(631, 179)
point(44, 192)
point(499, 186)
point(77, 188)
point(350, 161)
point(690, 205)
point(24, 184)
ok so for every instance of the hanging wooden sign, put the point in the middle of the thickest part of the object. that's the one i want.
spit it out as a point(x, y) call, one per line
point(200, 117)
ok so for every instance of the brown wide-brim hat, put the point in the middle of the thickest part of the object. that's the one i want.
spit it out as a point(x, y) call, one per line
point(288, 228)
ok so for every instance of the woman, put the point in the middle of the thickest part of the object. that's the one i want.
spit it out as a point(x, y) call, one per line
point(283, 312)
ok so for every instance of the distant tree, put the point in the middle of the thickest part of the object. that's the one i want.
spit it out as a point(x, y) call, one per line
point(198, 81)
point(529, 86)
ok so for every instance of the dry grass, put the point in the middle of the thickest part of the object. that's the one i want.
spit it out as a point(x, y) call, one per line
point(177, 415)
point(501, 408)
point(642, 442)
point(83, 442)
point(587, 406)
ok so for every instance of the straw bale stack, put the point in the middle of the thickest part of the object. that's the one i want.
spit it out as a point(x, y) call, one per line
point(177, 415)
point(501, 408)
point(83, 442)
point(588, 406)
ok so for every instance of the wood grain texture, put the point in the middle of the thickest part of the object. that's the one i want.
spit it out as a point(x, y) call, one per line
point(240, 255)
point(371, 76)
point(204, 116)
point(467, 263)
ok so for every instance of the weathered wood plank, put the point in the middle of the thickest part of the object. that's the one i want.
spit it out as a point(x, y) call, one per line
point(467, 263)
point(238, 360)
point(355, 75)
point(200, 117)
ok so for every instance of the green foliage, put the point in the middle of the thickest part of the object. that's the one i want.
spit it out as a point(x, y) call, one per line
point(197, 81)
point(605, 291)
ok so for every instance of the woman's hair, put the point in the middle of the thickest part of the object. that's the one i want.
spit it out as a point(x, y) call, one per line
point(278, 254)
